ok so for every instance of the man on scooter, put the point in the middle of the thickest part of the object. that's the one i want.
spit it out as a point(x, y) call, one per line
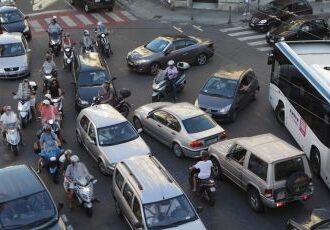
point(7, 118)
point(106, 94)
point(100, 28)
point(26, 93)
point(67, 41)
point(54, 26)
point(172, 73)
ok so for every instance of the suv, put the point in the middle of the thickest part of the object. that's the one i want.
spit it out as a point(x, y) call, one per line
point(273, 13)
point(25, 202)
point(272, 172)
point(149, 198)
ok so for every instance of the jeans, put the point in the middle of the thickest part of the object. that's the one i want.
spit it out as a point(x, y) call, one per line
point(173, 87)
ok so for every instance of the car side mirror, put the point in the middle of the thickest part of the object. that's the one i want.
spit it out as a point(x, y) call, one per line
point(140, 130)
point(138, 225)
point(60, 206)
point(149, 115)
point(199, 209)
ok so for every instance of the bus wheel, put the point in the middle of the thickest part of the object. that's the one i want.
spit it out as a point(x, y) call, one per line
point(315, 161)
point(280, 114)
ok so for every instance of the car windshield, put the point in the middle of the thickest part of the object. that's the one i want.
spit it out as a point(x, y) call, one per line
point(272, 7)
point(11, 16)
point(198, 124)
point(169, 213)
point(284, 169)
point(27, 212)
point(12, 49)
point(157, 45)
point(116, 134)
point(220, 87)
point(92, 78)
point(291, 25)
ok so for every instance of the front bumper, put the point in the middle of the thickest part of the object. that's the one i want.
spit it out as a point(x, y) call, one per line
point(14, 74)
point(138, 67)
point(100, 5)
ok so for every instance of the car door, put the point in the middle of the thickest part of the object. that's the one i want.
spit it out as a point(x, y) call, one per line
point(156, 125)
point(244, 89)
point(83, 129)
point(91, 141)
point(137, 212)
point(172, 129)
point(180, 53)
point(126, 204)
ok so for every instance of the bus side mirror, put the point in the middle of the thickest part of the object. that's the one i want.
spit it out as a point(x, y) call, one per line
point(270, 58)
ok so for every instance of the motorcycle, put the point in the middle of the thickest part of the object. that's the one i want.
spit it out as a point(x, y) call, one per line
point(55, 41)
point(13, 137)
point(204, 187)
point(50, 161)
point(104, 45)
point(168, 4)
point(161, 86)
point(48, 74)
point(68, 57)
point(88, 47)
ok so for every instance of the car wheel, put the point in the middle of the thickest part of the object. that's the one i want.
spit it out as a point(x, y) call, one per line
point(280, 114)
point(177, 150)
point(154, 68)
point(255, 94)
point(103, 169)
point(201, 59)
point(89, 212)
point(255, 200)
point(234, 115)
point(86, 8)
point(137, 123)
point(315, 161)
point(117, 208)
point(216, 169)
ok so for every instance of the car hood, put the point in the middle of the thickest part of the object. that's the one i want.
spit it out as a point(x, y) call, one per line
point(197, 224)
point(140, 53)
point(117, 153)
point(212, 102)
point(15, 26)
point(87, 93)
point(18, 61)
point(317, 216)
point(221, 148)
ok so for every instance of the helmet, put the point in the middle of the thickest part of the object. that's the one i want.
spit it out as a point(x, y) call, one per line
point(170, 62)
point(74, 158)
point(46, 102)
point(86, 32)
point(48, 96)
point(54, 18)
point(204, 154)
point(68, 152)
point(99, 23)
point(47, 127)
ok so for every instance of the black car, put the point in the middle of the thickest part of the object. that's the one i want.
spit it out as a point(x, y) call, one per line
point(25, 202)
point(95, 4)
point(228, 91)
point(273, 13)
point(90, 71)
point(13, 20)
point(319, 220)
point(300, 28)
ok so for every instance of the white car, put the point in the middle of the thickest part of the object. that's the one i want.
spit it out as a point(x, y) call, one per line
point(14, 56)
point(108, 136)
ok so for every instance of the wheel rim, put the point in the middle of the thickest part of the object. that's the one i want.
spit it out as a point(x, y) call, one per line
point(253, 200)
point(102, 168)
point(177, 150)
point(154, 69)
point(124, 111)
point(137, 124)
point(201, 59)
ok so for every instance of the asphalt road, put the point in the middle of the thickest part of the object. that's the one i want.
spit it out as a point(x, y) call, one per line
point(231, 210)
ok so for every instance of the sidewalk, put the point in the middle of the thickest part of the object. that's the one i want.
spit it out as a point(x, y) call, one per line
point(153, 10)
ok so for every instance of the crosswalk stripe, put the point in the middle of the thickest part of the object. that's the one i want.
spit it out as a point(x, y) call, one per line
point(257, 43)
point(67, 20)
point(128, 15)
point(98, 17)
point(114, 16)
point(251, 37)
point(36, 25)
point(233, 29)
point(84, 19)
point(242, 33)
point(265, 48)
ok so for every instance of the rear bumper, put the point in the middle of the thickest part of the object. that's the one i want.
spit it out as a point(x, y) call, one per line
point(270, 202)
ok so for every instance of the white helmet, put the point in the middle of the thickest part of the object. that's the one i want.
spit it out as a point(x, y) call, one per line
point(170, 62)
point(46, 102)
point(86, 32)
point(74, 158)
point(47, 95)
point(99, 23)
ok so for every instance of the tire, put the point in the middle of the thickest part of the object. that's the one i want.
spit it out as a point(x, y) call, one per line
point(280, 114)
point(86, 8)
point(177, 150)
point(102, 168)
point(255, 200)
point(56, 177)
point(210, 197)
point(117, 208)
point(137, 123)
point(315, 161)
point(124, 110)
point(89, 212)
point(154, 68)
point(14, 148)
point(216, 169)
point(201, 59)
point(297, 183)
point(255, 94)
point(25, 122)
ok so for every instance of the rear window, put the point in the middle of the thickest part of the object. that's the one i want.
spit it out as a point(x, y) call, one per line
point(198, 124)
point(284, 169)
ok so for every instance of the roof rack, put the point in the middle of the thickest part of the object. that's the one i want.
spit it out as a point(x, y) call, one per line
point(131, 174)
point(169, 178)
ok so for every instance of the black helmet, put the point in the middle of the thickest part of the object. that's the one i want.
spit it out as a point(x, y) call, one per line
point(204, 154)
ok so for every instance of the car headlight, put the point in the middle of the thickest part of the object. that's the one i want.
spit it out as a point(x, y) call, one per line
point(141, 61)
point(225, 109)
point(282, 39)
point(263, 21)
point(196, 103)
point(2, 70)
point(83, 102)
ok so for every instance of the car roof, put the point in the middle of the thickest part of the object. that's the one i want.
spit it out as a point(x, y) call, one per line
point(18, 181)
point(234, 73)
point(149, 178)
point(287, 2)
point(5, 8)
point(307, 17)
point(90, 61)
point(8, 38)
point(103, 115)
point(268, 147)
point(183, 110)
point(175, 37)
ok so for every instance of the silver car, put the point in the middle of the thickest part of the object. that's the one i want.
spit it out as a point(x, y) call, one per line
point(14, 56)
point(108, 136)
point(181, 126)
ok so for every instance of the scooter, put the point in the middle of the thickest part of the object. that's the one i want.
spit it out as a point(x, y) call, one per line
point(55, 41)
point(68, 57)
point(50, 161)
point(161, 86)
point(205, 188)
point(13, 137)
point(168, 4)
point(104, 45)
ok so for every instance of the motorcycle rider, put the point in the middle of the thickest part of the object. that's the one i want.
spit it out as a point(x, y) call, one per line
point(171, 73)
point(9, 117)
point(49, 63)
point(106, 94)
point(100, 28)
point(67, 41)
point(47, 111)
point(26, 93)
point(53, 26)
point(74, 171)
point(204, 166)
point(54, 89)
point(87, 41)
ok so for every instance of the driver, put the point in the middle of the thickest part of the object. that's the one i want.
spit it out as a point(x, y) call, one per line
point(171, 73)
point(87, 41)
point(106, 93)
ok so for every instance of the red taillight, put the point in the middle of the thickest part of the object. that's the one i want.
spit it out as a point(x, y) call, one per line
point(280, 204)
point(223, 135)
point(305, 197)
point(268, 193)
point(196, 144)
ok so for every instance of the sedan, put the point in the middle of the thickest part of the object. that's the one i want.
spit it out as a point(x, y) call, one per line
point(181, 126)
point(13, 20)
point(228, 91)
point(180, 48)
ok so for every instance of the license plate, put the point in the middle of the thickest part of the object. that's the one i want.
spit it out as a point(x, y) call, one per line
point(212, 189)
point(211, 141)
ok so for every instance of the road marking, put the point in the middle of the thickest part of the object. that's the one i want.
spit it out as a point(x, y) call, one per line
point(198, 28)
point(241, 33)
point(234, 28)
point(74, 8)
point(114, 16)
point(251, 37)
point(67, 20)
point(98, 17)
point(128, 15)
point(48, 20)
point(49, 12)
point(84, 19)
point(265, 49)
point(178, 29)
point(36, 25)
point(257, 43)
point(64, 218)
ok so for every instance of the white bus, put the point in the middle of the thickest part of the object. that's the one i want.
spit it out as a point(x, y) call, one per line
point(299, 93)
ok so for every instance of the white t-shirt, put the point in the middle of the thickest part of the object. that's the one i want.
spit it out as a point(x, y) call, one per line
point(8, 119)
point(204, 169)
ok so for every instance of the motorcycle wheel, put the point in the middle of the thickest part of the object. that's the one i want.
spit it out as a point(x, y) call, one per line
point(25, 121)
point(89, 211)
point(124, 110)
point(210, 197)
point(14, 148)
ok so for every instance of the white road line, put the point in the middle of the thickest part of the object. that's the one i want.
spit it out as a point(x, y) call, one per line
point(178, 29)
point(241, 33)
point(74, 8)
point(36, 25)
point(128, 15)
point(114, 16)
point(265, 49)
point(67, 20)
point(234, 28)
point(48, 20)
point(98, 17)
point(257, 43)
point(84, 19)
point(49, 12)
point(251, 37)
point(198, 28)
